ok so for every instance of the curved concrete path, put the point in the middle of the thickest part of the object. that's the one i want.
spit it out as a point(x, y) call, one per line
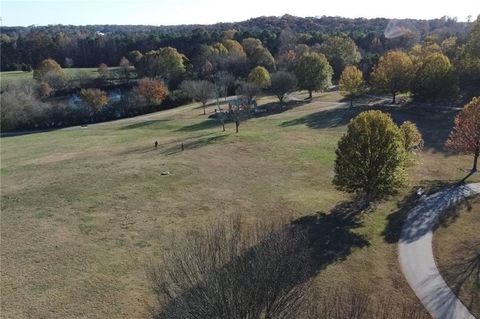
point(416, 256)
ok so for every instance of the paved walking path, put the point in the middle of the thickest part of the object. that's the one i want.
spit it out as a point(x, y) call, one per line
point(416, 256)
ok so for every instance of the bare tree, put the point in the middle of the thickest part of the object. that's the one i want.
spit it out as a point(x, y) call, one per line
point(200, 91)
point(223, 81)
point(236, 270)
point(232, 270)
point(248, 91)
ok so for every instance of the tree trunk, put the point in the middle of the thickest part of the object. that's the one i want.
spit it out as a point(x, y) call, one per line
point(203, 104)
point(475, 160)
point(237, 124)
point(393, 98)
point(310, 94)
point(223, 126)
point(351, 102)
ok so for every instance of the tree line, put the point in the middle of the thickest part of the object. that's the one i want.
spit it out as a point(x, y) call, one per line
point(88, 46)
point(432, 70)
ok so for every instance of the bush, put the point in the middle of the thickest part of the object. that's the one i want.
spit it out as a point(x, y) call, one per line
point(231, 270)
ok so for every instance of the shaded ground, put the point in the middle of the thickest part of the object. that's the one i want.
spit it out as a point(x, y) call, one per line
point(457, 253)
point(416, 255)
point(434, 125)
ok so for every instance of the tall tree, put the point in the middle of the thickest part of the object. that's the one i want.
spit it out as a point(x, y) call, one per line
point(351, 83)
point(103, 70)
point(223, 82)
point(371, 157)
point(465, 136)
point(470, 55)
point(234, 48)
point(313, 72)
point(393, 73)
point(340, 52)
point(154, 91)
point(47, 66)
point(435, 78)
point(239, 109)
point(94, 98)
point(201, 91)
point(260, 76)
point(258, 54)
point(125, 66)
point(282, 82)
point(166, 63)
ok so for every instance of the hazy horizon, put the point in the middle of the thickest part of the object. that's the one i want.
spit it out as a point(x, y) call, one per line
point(156, 13)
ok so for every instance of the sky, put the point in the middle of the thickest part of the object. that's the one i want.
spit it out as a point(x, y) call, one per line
point(169, 12)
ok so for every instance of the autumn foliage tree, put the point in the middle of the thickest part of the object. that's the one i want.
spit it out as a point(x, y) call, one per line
point(340, 52)
point(313, 73)
point(260, 76)
point(47, 66)
point(465, 136)
point(103, 70)
point(94, 98)
point(435, 78)
point(351, 83)
point(125, 67)
point(165, 63)
point(371, 157)
point(154, 91)
point(393, 73)
point(412, 138)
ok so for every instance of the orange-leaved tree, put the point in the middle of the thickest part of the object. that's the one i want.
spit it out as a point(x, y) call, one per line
point(94, 98)
point(465, 136)
point(154, 91)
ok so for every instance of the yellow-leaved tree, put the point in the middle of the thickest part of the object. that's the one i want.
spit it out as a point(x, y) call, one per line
point(351, 83)
point(393, 73)
point(260, 76)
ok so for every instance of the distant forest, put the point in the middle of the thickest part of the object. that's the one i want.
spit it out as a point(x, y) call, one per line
point(89, 46)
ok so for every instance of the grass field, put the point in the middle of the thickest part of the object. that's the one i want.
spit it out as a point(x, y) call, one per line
point(84, 210)
point(12, 76)
point(455, 246)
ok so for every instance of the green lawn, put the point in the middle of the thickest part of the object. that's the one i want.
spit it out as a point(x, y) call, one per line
point(85, 209)
point(455, 245)
point(12, 76)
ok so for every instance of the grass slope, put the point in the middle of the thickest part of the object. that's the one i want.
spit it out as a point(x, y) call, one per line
point(455, 245)
point(15, 76)
point(85, 209)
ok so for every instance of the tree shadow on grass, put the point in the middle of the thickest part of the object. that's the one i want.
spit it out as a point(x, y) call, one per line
point(464, 274)
point(262, 111)
point(281, 263)
point(192, 144)
point(174, 147)
point(434, 124)
point(331, 234)
point(413, 203)
point(142, 124)
point(276, 107)
point(325, 119)
point(204, 125)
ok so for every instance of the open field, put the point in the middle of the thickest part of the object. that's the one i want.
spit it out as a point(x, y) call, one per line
point(85, 209)
point(12, 76)
point(455, 245)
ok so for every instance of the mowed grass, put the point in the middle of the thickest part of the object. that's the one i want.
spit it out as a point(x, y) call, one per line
point(85, 210)
point(455, 245)
point(8, 77)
